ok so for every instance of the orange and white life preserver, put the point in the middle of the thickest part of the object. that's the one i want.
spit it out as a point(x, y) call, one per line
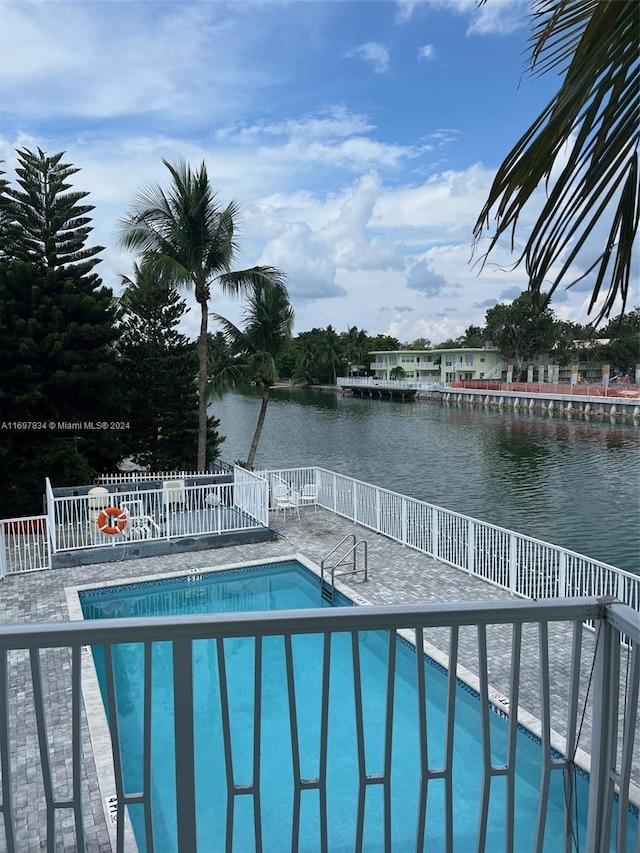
point(104, 523)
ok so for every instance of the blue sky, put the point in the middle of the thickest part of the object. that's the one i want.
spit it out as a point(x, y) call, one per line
point(359, 138)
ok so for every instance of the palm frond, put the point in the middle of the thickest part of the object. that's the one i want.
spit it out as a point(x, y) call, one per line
point(244, 281)
point(596, 112)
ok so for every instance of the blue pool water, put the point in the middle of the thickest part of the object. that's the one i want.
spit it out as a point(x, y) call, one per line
point(285, 586)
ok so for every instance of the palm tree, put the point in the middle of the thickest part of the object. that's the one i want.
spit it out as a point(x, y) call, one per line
point(329, 351)
point(597, 110)
point(191, 236)
point(267, 332)
point(355, 341)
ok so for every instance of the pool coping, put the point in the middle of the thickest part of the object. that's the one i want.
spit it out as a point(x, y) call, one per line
point(98, 727)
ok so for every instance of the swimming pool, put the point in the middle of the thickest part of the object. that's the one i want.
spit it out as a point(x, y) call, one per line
point(289, 585)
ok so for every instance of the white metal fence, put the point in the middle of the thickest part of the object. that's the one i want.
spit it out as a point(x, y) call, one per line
point(176, 510)
point(42, 725)
point(251, 494)
point(521, 564)
point(217, 467)
point(24, 545)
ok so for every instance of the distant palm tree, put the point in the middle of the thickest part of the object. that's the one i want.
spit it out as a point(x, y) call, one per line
point(356, 345)
point(329, 351)
point(596, 111)
point(257, 346)
point(192, 240)
point(305, 367)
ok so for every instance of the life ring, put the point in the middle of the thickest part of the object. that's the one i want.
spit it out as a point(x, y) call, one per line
point(112, 512)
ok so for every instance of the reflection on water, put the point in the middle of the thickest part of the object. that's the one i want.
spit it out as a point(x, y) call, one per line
point(572, 482)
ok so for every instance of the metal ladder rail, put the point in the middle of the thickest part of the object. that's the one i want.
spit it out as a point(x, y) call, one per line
point(329, 593)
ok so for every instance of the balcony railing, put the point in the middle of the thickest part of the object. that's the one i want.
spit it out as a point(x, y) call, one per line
point(46, 758)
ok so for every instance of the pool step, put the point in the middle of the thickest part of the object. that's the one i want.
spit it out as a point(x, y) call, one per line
point(326, 590)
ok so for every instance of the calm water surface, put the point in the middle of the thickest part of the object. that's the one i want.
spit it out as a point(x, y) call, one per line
point(574, 482)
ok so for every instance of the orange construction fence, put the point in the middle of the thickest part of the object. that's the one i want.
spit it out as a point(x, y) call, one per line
point(582, 389)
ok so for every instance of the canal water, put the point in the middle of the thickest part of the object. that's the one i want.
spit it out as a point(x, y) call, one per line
point(573, 482)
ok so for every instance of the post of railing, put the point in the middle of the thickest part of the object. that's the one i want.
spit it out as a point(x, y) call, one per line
point(354, 498)
point(471, 547)
point(335, 496)
point(513, 562)
point(3, 552)
point(377, 510)
point(5, 757)
point(606, 674)
point(404, 537)
point(434, 532)
point(184, 743)
point(51, 517)
point(562, 575)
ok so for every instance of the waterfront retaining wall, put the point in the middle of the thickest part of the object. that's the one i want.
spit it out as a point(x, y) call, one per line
point(616, 407)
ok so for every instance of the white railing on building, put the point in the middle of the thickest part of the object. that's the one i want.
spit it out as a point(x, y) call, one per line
point(521, 564)
point(174, 511)
point(384, 384)
point(24, 545)
point(495, 372)
point(56, 748)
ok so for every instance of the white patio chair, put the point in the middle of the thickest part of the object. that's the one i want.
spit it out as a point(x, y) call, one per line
point(98, 499)
point(280, 493)
point(292, 501)
point(173, 495)
point(309, 495)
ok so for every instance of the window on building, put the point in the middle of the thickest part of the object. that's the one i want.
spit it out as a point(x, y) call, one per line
point(482, 358)
point(407, 359)
point(393, 360)
point(468, 360)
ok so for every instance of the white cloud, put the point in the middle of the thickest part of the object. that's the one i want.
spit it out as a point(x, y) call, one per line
point(374, 53)
point(146, 60)
point(346, 235)
point(425, 280)
point(499, 17)
point(427, 51)
point(405, 10)
point(311, 273)
point(494, 17)
point(331, 123)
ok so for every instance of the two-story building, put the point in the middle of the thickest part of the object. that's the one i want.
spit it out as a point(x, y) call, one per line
point(439, 365)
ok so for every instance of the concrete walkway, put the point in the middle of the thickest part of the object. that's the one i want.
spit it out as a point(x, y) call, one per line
point(396, 575)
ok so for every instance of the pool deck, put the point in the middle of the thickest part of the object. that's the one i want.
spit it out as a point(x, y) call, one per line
point(396, 575)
